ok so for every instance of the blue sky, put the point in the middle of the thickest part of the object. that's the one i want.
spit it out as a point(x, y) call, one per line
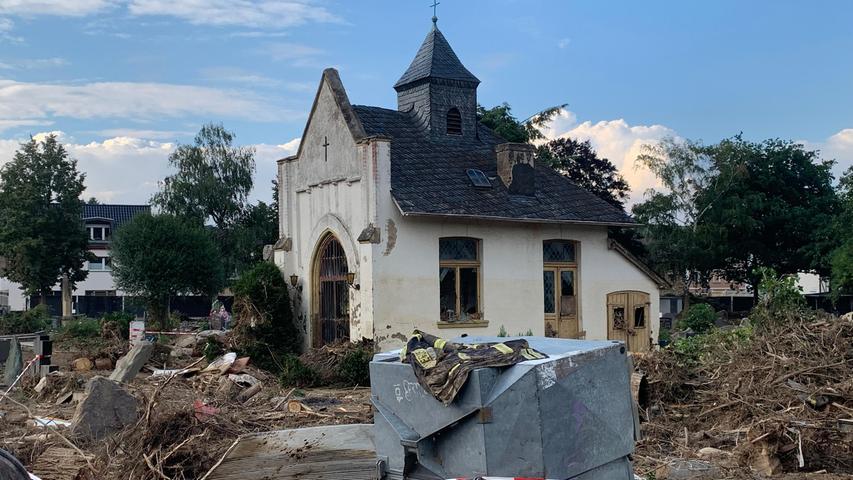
point(123, 80)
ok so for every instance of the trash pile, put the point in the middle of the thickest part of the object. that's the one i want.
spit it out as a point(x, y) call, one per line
point(765, 400)
point(146, 420)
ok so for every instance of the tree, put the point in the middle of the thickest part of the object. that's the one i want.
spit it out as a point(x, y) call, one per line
point(671, 217)
point(579, 162)
point(841, 260)
point(212, 184)
point(158, 257)
point(264, 328)
point(501, 120)
point(775, 213)
point(41, 233)
point(257, 227)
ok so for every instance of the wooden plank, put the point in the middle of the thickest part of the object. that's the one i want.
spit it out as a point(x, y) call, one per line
point(58, 463)
point(317, 453)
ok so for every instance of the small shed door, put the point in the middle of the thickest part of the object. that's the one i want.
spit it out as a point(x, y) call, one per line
point(628, 319)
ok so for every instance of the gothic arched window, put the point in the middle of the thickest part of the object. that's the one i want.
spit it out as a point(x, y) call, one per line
point(454, 122)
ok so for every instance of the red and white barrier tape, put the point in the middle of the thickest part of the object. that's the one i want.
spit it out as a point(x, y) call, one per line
point(23, 371)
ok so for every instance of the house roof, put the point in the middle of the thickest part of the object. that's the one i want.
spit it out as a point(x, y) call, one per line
point(662, 283)
point(435, 59)
point(117, 214)
point(428, 178)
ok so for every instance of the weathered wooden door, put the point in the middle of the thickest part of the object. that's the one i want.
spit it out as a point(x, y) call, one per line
point(628, 319)
point(561, 302)
point(560, 282)
point(331, 305)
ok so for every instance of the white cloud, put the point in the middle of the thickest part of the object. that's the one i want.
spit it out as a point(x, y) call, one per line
point(247, 13)
point(617, 141)
point(299, 55)
point(34, 63)
point(140, 101)
point(6, 27)
point(143, 134)
point(66, 8)
point(125, 169)
point(563, 43)
point(838, 147)
point(9, 124)
point(239, 76)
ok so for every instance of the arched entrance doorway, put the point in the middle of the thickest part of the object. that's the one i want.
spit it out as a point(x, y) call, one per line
point(331, 293)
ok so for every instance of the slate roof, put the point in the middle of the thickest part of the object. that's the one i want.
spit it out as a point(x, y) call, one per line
point(118, 214)
point(435, 59)
point(429, 178)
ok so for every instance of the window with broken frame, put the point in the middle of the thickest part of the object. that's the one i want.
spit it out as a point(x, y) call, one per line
point(459, 280)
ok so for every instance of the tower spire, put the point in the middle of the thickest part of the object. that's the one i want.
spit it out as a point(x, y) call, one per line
point(434, 6)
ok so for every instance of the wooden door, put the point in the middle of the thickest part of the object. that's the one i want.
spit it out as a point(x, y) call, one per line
point(628, 319)
point(561, 302)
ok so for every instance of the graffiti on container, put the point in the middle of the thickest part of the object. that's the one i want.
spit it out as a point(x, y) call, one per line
point(408, 391)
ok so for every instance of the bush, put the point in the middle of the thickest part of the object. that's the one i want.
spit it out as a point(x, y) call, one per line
point(355, 367)
point(691, 351)
point(30, 321)
point(700, 318)
point(778, 296)
point(263, 319)
point(82, 328)
point(294, 373)
point(122, 321)
point(212, 348)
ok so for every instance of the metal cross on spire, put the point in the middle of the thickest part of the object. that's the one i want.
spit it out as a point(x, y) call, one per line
point(434, 6)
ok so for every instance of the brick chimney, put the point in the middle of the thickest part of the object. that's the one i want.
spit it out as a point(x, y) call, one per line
point(516, 169)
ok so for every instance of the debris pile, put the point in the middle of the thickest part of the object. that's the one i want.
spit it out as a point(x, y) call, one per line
point(158, 416)
point(339, 363)
point(767, 400)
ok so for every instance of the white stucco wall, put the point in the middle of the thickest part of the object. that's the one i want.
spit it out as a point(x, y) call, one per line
point(329, 192)
point(407, 286)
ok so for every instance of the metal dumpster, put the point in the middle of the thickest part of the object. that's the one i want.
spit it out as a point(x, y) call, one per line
point(569, 416)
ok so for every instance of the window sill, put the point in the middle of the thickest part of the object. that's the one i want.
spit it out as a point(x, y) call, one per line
point(477, 324)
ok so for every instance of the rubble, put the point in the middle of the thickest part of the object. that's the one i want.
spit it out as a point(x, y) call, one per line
point(129, 365)
point(106, 409)
point(14, 363)
point(756, 400)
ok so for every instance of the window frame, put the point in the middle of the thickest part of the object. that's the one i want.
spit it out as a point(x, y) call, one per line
point(105, 265)
point(457, 266)
point(106, 232)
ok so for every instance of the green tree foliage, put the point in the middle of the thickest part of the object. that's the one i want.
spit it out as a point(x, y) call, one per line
point(501, 120)
point(30, 321)
point(157, 257)
point(257, 227)
point(41, 235)
point(841, 259)
point(579, 162)
point(212, 184)
point(264, 327)
point(776, 212)
point(779, 296)
point(672, 216)
point(699, 317)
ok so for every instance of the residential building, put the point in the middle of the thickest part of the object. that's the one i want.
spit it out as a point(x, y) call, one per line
point(97, 294)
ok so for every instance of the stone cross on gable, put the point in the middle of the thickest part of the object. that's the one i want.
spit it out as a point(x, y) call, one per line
point(326, 148)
